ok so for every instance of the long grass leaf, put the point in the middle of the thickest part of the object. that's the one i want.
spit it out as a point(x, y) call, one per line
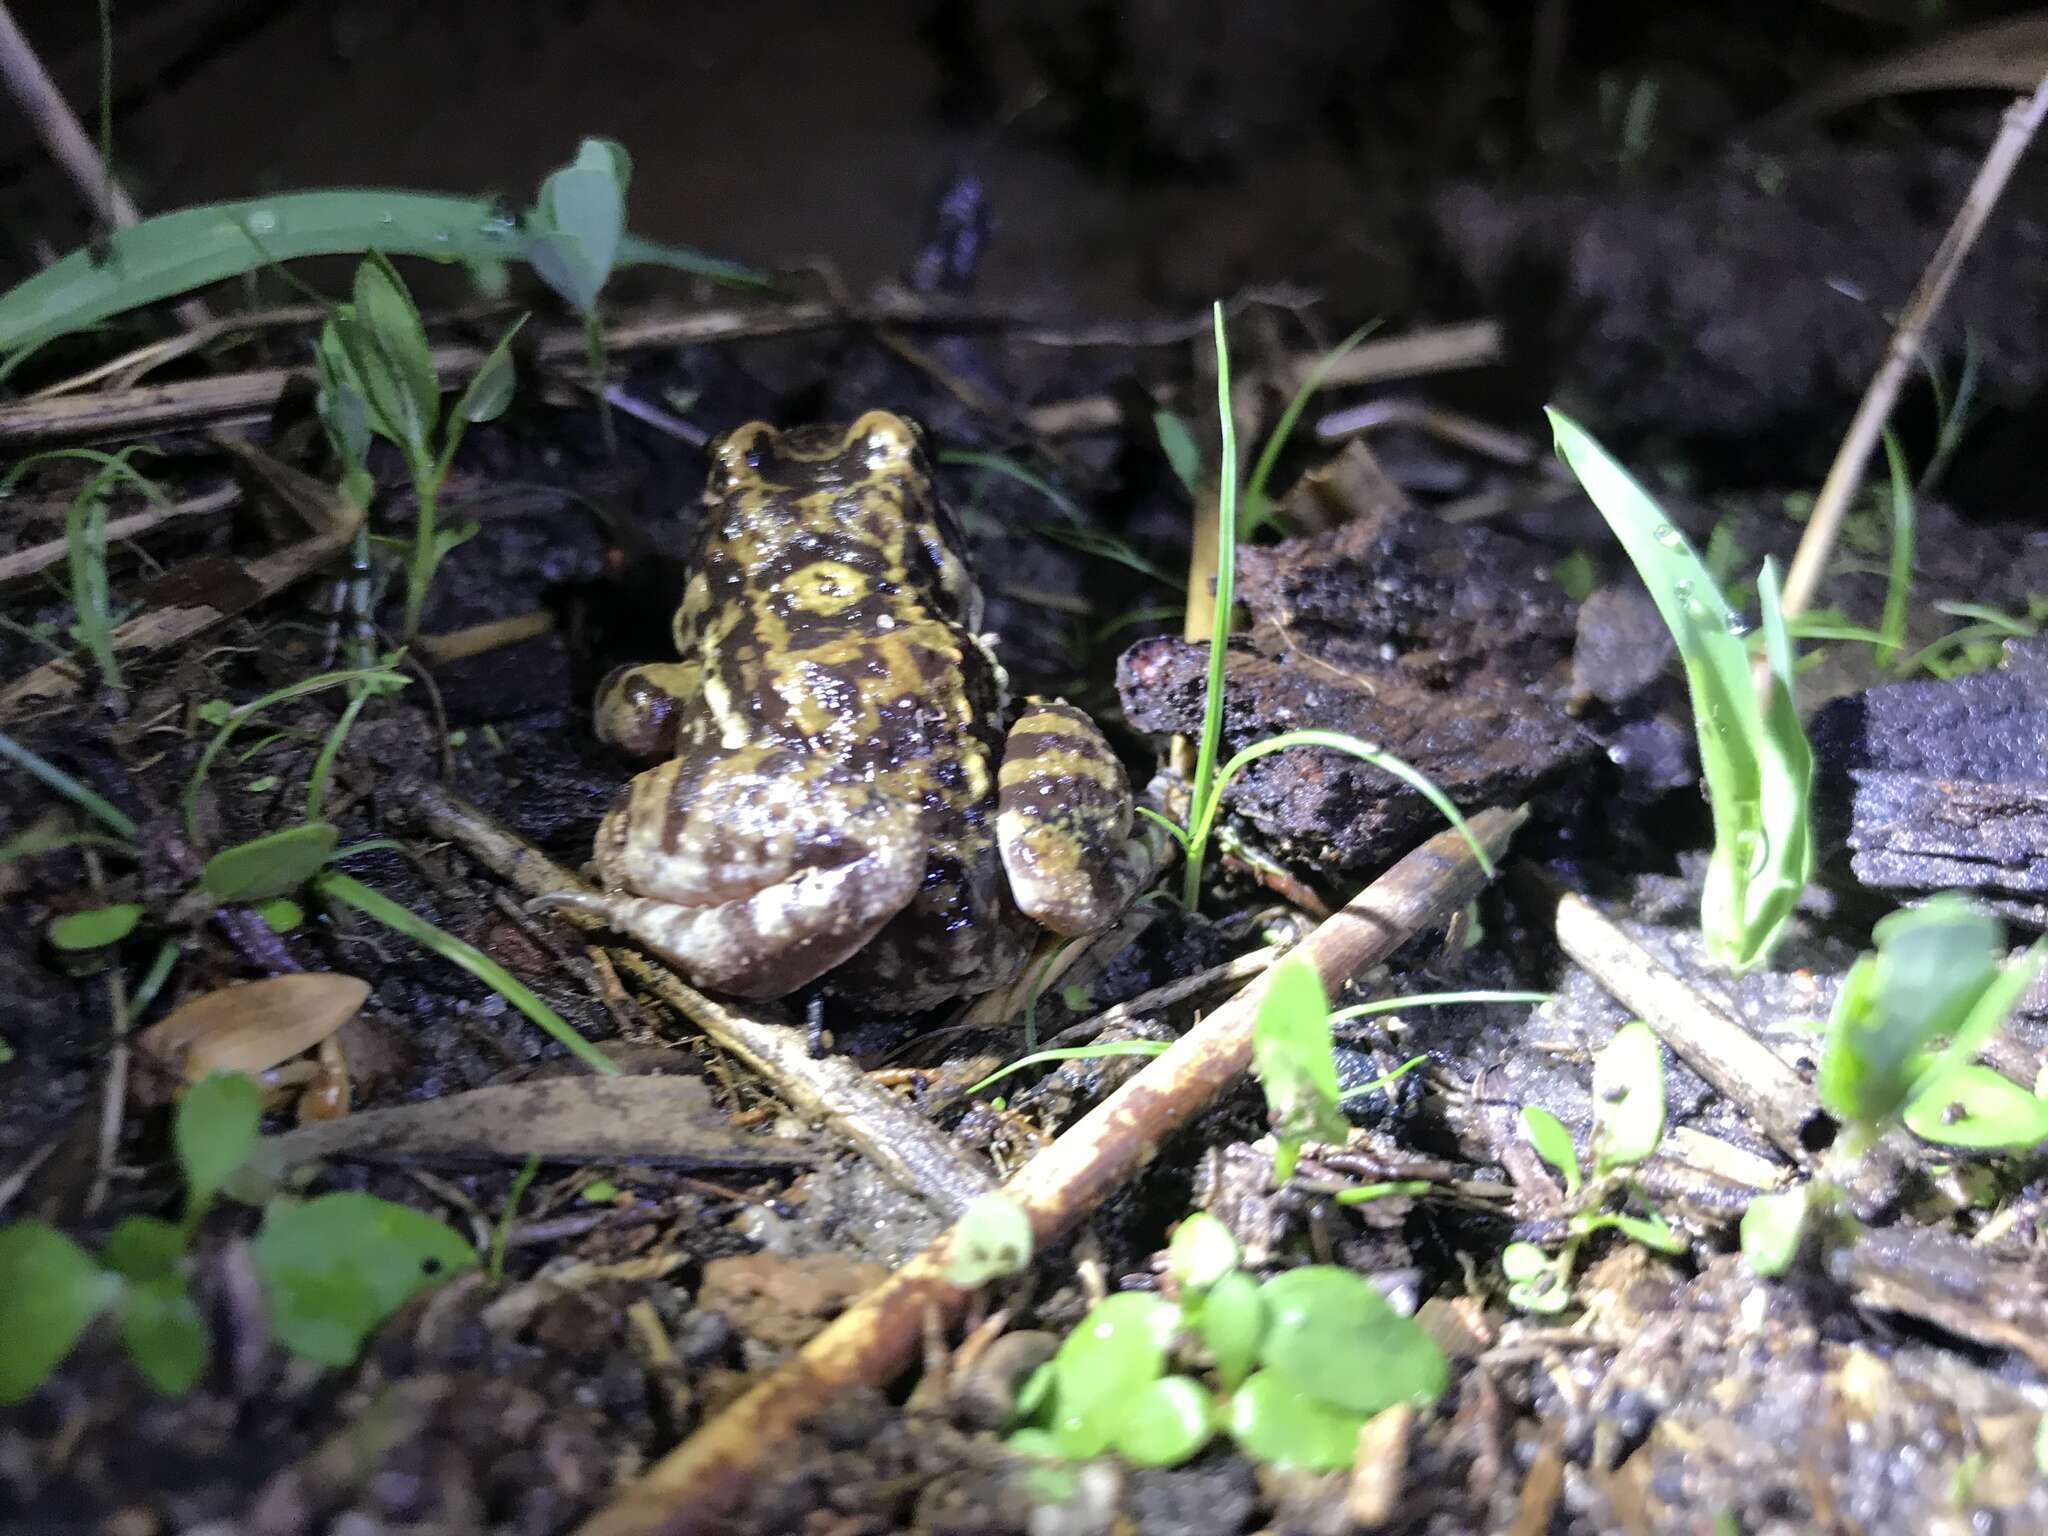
point(174, 253)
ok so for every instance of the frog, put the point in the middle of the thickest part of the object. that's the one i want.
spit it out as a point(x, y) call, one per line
point(842, 789)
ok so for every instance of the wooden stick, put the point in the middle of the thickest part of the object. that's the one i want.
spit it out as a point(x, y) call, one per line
point(1845, 475)
point(37, 557)
point(1747, 1072)
point(908, 1148)
point(57, 126)
point(688, 1490)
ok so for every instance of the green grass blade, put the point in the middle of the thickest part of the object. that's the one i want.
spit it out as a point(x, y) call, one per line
point(1434, 1000)
point(174, 253)
point(1336, 741)
point(348, 889)
point(1204, 791)
point(1757, 765)
point(1899, 579)
point(1258, 507)
point(1074, 1053)
point(65, 785)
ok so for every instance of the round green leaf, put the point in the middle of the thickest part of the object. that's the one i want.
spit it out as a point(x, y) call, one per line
point(1771, 1229)
point(267, 867)
point(992, 1240)
point(144, 1249)
point(96, 928)
point(1628, 1097)
point(214, 1133)
point(1291, 1054)
point(165, 1335)
point(1553, 1143)
point(49, 1290)
point(1338, 1339)
point(336, 1267)
point(1275, 1422)
point(1202, 1252)
point(1231, 1320)
point(1973, 1106)
point(1119, 1349)
point(1165, 1424)
point(281, 915)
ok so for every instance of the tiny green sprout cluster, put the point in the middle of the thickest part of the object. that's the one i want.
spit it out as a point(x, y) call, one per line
point(1753, 749)
point(1628, 1123)
point(332, 1268)
point(377, 378)
point(1290, 1368)
point(1900, 1050)
point(262, 873)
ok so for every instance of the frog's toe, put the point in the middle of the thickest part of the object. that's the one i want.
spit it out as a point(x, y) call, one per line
point(773, 941)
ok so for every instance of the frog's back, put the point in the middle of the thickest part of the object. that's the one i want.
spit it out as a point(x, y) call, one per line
point(833, 611)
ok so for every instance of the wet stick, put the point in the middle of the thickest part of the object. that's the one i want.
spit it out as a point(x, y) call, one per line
point(909, 1149)
point(1749, 1073)
point(687, 1492)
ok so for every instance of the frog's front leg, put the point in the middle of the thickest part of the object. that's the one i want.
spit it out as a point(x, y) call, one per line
point(1063, 822)
point(638, 707)
point(754, 870)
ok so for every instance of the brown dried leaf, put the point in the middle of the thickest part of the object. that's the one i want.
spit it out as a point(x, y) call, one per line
point(254, 1026)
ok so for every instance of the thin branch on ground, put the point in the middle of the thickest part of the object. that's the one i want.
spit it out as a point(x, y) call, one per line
point(1845, 475)
point(686, 1493)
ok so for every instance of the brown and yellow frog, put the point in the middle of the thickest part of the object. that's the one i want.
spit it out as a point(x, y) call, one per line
point(838, 793)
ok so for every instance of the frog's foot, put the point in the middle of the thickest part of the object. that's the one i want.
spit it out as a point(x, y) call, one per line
point(772, 942)
point(1063, 822)
point(638, 706)
point(754, 870)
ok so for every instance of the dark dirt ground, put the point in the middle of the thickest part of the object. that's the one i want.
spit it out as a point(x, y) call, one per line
point(1709, 293)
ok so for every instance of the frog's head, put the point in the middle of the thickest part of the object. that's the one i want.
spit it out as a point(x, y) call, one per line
point(879, 446)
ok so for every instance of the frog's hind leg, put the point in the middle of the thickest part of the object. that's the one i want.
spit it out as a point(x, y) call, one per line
point(754, 871)
point(1063, 822)
point(638, 706)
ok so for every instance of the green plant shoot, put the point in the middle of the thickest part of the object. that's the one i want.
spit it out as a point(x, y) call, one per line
point(1758, 766)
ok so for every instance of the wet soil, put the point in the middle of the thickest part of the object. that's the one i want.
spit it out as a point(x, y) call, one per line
point(1711, 301)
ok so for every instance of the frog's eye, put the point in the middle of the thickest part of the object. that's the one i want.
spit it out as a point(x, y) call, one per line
point(737, 456)
point(886, 439)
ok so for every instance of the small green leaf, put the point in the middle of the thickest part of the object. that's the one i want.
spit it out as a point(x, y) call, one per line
point(50, 1289)
point(165, 1335)
point(991, 1241)
point(490, 388)
point(1035, 1395)
point(386, 311)
point(97, 928)
point(335, 1268)
point(145, 1249)
point(1165, 1423)
point(1553, 1143)
point(578, 221)
point(214, 1133)
point(280, 914)
point(1291, 1055)
point(1231, 1320)
point(1628, 1098)
point(1202, 1252)
point(1933, 963)
point(1119, 1349)
point(1341, 1341)
point(1973, 1106)
point(1183, 456)
point(1275, 1422)
point(1536, 1282)
point(1772, 1228)
point(1574, 575)
point(270, 866)
point(1652, 1231)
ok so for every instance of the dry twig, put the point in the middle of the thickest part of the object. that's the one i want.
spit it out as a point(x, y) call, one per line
point(1845, 475)
point(687, 1491)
